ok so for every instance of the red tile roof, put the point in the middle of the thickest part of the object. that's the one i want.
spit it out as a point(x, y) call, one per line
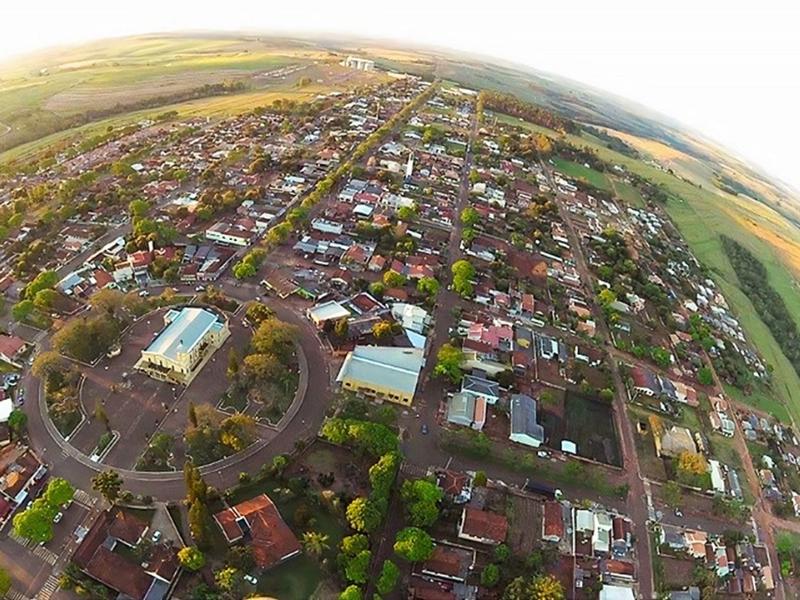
point(10, 345)
point(485, 525)
point(127, 528)
point(553, 520)
point(270, 537)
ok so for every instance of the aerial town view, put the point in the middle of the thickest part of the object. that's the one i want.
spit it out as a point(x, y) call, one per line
point(291, 318)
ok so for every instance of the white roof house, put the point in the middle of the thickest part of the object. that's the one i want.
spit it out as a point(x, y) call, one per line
point(411, 317)
point(327, 311)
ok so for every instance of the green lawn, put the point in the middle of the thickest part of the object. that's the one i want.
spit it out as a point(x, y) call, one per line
point(628, 193)
point(760, 399)
point(582, 173)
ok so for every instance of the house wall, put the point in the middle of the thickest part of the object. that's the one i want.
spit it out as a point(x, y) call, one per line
point(372, 389)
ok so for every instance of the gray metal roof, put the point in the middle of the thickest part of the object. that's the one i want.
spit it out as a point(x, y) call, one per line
point(480, 386)
point(187, 327)
point(523, 417)
point(461, 409)
point(383, 367)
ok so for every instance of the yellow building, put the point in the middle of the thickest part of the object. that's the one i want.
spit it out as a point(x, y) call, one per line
point(380, 372)
point(188, 340)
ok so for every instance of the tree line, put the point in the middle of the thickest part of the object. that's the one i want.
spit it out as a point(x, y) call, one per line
point(768, 304)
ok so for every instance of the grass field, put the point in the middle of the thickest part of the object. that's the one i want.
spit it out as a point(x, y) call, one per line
point(582, 173)
point(627, 193)
point(52, 92)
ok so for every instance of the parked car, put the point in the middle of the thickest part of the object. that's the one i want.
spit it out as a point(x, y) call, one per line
point(424, 429)
point(144, 294)
point(250, 579)
point(200, 288)
point(58, 517)
point(156, 536)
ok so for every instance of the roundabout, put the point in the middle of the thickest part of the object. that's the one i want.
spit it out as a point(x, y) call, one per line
point(137, 407)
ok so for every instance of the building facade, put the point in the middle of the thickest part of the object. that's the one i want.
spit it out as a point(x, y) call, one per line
point(191, 335)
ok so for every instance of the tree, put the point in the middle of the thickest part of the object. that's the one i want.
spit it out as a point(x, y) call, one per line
point(5, 582)
point(356, 567)
point(363, 515)
point(428, 286)
point(22, 310)
point(673, 495)
point(244, 269)
point(46, 363)
point(382, 329)
point(480, 479)
point(138, 208)
point(34, 524)
point(490, 575)
point(463, 273)
point(229, 580)
point(502, 553)
point(606, 395)
point(352, 592)
point(470, 217)
point(315, 543)
point(704, 376)
point(198, 522)
point(191, 558)
point(393, 279)
point(421, 498)
point(388, 578)
point(413, 544)
point(383, 473)
point(341, 328)
point(45, 299)
point(275, 337)
point(17, 420)
point(546, 587)
point(59, 491)
point(448, 363)
point(257, 312)
point(108, 483)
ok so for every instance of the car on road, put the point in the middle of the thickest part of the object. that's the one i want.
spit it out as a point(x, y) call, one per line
point(250, 579)
point(20, 399)
point(424, 429)
point(58, 517)
point(200, 288)
point(678, 512)
point(156, 536)
point(144, 294)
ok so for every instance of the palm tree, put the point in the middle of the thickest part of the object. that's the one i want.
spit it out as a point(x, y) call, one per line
point(315, 543)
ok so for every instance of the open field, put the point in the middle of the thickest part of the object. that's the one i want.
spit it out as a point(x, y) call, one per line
point(628, 193)
point(52, 92)
point(582, 173)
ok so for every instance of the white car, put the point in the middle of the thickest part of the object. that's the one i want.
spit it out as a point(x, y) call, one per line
point(156, 536)
point(200, 288)
point(58, 517)
point(251, 580)
point(144, 294)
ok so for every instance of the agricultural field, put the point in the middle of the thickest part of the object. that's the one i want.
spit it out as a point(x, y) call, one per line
point(130, 77)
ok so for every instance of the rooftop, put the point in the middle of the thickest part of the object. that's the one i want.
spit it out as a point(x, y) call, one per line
point(396, 368)
point(186, 328)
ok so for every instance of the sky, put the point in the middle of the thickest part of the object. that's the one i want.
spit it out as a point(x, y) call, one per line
point(728, 70)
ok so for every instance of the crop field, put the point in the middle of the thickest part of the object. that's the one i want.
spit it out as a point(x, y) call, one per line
point(50, 93)
point(582, 173)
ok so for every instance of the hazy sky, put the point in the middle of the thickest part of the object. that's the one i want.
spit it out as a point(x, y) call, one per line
point(729, 69)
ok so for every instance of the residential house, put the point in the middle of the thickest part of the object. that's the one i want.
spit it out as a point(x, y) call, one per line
point(482, 526)
point(257, 523)
point(524, 427)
